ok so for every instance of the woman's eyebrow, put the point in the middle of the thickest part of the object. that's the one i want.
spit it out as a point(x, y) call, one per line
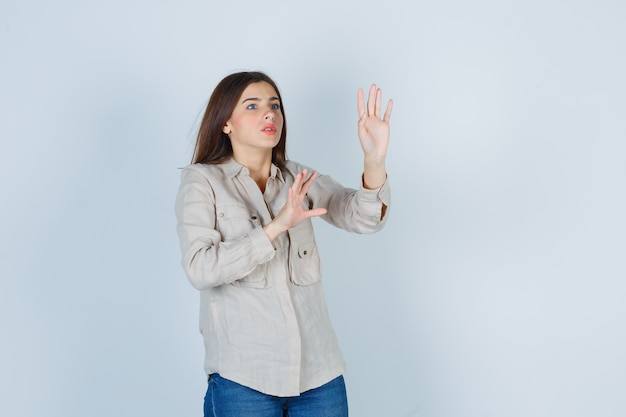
point(258, 99)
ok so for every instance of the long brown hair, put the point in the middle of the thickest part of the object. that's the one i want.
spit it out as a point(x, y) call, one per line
point(213, 145)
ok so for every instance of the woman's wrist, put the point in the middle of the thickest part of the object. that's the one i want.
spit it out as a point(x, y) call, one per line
point(374, 174)
point(273, 229)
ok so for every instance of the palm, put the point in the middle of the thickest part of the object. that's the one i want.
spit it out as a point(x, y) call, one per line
point(292, 212)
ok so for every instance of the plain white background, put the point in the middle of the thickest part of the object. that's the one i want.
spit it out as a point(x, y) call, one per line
point(498, 286)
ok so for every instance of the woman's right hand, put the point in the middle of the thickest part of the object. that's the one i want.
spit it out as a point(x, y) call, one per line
point(292, 212)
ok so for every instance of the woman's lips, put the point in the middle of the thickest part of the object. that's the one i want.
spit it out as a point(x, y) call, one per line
point(269, 129)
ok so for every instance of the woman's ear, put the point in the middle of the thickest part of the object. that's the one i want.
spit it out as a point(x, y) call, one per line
point(226, 128)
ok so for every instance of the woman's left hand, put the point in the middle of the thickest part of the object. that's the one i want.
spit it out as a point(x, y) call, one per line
point(373, 131)
point(373, 135)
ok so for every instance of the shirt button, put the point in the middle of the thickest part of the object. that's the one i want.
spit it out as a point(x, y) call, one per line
point(254, 217)
point(304, 252)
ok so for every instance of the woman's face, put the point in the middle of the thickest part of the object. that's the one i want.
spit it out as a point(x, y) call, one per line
point(256, 122)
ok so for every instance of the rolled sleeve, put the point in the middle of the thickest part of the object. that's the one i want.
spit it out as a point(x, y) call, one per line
point(372, 201)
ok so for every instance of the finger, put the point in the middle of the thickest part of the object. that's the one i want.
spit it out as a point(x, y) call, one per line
point(360, 105)
point(289, 202)
point(307, 184)
point(312, 177)
point(298, 181)
point(371, 101)
point(315, 212)
point(387, 116)
point(379, 98)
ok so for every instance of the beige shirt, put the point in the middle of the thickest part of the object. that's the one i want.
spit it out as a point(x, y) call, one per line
point(262, 310)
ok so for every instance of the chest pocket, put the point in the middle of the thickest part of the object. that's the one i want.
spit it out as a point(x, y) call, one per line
point(304, 260)
point(234, 220)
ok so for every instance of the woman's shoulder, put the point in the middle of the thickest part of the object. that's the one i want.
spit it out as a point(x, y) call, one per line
point(194, 170)
point(201, 168)
point(295, 167)
point(203, 173)
point(219, 169)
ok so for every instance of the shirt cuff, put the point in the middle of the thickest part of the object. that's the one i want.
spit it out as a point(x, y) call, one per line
point(381, 193)
point(263, 249)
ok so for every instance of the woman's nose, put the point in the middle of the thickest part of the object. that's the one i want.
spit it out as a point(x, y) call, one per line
point(270, 114)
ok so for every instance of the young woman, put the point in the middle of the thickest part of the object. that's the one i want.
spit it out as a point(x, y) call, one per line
point(244, 221)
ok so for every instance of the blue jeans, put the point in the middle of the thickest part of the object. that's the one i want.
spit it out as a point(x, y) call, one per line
point(225, 398)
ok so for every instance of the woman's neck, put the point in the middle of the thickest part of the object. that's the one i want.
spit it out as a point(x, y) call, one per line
point(258, 165)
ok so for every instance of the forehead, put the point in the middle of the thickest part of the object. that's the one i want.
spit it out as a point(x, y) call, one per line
point(261, 89)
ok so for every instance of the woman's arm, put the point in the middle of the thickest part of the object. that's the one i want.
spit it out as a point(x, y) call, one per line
point(363, 210)
point(207, 260)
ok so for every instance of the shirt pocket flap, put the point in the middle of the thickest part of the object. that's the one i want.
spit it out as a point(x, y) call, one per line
point(235, 220)
point(306, 249)
point(305, 268)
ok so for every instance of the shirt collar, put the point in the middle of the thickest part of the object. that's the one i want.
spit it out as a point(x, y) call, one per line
point(275, 172)
point(233, 168)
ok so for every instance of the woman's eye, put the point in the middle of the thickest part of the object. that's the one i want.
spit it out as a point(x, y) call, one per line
point(275, 106)
point(251, 107)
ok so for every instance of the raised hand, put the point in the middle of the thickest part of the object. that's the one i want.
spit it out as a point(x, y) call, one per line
point(373, 130)
point(292, 212)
